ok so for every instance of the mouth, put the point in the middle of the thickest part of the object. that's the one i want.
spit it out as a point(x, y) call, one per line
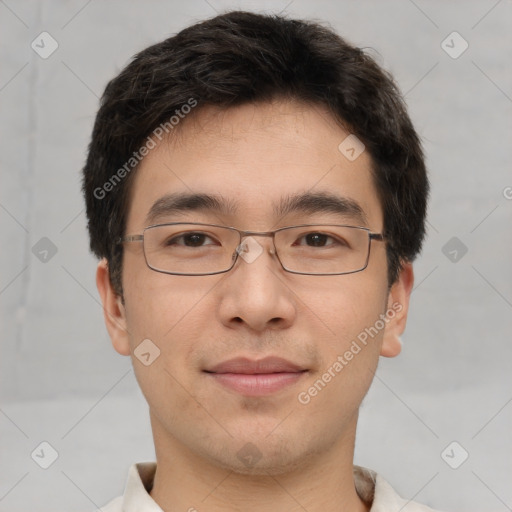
point(256, 377)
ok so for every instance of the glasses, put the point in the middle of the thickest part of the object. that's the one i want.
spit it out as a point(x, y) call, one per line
point(195, 249)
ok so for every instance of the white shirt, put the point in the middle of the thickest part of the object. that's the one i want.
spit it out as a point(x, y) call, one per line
point(371, 487)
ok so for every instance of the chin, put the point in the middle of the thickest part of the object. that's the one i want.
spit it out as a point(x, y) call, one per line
point(263, 458)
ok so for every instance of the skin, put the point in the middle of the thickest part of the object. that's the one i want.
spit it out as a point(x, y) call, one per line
point(254, 154)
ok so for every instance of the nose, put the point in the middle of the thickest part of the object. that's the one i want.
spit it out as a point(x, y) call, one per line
point(255, 293)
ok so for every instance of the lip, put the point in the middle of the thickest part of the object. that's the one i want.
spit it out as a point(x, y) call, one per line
point(256, 377)
point(248, 366)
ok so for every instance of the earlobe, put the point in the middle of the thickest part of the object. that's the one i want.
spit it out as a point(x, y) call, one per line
point(397, 310)
point(113, 310)
point(391, 346)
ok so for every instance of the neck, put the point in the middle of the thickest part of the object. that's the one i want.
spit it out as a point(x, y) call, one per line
point(187, 481)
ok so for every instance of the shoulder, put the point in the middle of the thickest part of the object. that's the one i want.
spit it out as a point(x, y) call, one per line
point(390, 501)
point(136, 494)
point(378, 493)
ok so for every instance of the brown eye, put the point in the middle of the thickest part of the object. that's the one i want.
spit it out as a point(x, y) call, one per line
point(191, 239)
point(316, 239)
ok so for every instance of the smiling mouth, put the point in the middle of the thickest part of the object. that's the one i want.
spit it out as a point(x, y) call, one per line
point(256, 377)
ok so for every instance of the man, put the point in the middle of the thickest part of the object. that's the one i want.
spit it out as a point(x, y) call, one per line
point(256, 193)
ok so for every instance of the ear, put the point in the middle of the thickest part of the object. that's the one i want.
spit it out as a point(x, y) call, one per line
point(113, 310)
point(397, 310)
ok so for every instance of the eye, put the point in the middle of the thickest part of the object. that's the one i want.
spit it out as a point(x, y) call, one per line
point(318, 240)
point(191, 239)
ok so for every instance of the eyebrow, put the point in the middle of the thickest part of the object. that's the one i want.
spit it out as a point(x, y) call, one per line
point(305, 203)
point(322, 202)
point(183, 202)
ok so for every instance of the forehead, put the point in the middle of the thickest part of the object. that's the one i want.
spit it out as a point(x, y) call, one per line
point(254, 161)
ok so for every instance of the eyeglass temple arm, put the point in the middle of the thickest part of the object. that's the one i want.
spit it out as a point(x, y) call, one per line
point(131, 238)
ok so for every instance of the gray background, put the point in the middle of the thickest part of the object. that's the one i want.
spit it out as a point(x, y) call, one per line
point(62, 382)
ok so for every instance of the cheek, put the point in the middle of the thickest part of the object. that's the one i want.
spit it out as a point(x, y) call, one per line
point(169, 315)
point(349, 361)
point(156, 303)
point(342, 307)
point(349, 316)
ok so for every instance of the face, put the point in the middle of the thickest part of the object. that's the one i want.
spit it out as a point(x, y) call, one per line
point(307, 331)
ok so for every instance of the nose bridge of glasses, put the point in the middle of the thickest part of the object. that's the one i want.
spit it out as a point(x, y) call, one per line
point(249, 243)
